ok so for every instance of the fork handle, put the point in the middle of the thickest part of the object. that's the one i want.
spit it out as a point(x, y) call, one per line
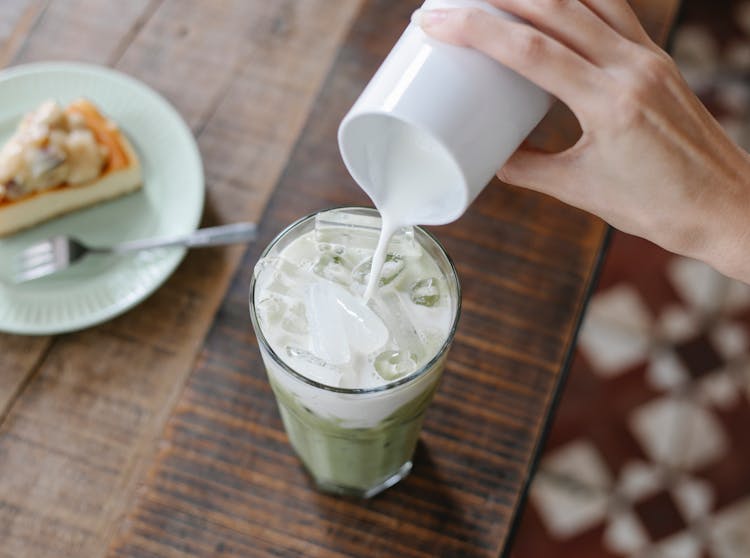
point(212, 236)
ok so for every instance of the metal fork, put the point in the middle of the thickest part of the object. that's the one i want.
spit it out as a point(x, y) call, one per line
point(60, 252)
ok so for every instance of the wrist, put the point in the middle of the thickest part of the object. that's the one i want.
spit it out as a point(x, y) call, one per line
point(725, 223)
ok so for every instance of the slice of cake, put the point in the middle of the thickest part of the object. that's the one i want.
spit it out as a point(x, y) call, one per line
point(63, 159)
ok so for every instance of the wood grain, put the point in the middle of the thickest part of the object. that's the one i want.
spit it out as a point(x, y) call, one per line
point(16, 21)
point(17, 364)
point(89, 407)
point(25, 28)
point(226, 482)
point(83, 30)
point(33, 31)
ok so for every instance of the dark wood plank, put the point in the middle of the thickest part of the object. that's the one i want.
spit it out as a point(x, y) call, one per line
point(226, 482)
point(88, 408)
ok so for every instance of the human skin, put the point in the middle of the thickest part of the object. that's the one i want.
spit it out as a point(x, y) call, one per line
point(651, 160)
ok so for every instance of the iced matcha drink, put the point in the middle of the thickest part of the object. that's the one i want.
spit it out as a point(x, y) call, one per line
point(353, 378)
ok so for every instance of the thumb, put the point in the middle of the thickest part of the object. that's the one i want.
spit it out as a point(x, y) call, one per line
point(536, 170)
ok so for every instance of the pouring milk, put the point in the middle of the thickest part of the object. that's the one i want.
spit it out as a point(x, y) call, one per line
point(432, 127)
point(412, 180)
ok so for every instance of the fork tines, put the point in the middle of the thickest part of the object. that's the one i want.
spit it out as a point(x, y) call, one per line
point(40, 259)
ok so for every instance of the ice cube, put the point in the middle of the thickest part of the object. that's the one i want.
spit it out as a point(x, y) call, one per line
point(341, 323)
point(281, 276)
point(332, 266)
point(295, 318)
point(312, 367)
point(393, 312)
point(327, 326)
point(425, 292)
point(391, 365)
point(265, 274)
point(270, 310)
point(352, 228)
point(361, 271)
point(404, 243)
point(365, 331)
point(358, 228)
point(280, 283)
point(392, 267)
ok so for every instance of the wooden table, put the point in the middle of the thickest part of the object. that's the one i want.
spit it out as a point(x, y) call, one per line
point(156, 434)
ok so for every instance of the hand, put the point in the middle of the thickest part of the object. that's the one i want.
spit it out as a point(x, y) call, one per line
point(651, 161)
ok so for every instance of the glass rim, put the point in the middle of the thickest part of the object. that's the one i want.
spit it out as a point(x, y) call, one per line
point(421, 371)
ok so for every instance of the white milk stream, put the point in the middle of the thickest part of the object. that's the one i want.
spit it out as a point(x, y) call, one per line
point(411, 181)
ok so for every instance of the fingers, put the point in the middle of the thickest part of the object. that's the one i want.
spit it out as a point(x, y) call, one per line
point(572, 23)
point(620, 16)
point(556, 174)
point(533, 169)
point(520, 47)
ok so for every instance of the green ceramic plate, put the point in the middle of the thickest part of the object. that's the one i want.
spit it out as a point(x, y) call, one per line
point(170, 202)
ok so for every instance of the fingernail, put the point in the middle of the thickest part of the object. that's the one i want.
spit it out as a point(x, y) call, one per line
point(428, 18)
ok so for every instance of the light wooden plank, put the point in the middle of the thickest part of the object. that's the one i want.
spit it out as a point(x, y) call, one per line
point(36, 30)
point(19, 357)
point(17, 18)
point(84, 30)
point(55, 467)
point(95, 411)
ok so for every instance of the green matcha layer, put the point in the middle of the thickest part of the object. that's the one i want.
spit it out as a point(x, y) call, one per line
point(352, 459)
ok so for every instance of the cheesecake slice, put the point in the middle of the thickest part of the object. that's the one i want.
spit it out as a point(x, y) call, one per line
point(63, 159)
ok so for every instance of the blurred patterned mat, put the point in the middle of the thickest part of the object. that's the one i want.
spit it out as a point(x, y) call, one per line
point(648, 455)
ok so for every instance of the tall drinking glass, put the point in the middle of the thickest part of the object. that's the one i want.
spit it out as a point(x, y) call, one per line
point(354, 440)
